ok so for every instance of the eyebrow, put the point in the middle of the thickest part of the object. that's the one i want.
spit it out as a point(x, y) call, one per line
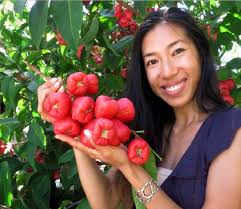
point(169, 46)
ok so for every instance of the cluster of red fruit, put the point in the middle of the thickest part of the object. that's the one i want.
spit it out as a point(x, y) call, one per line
point(213, 36)
point(226, 87)
point(104, 121)
point(4, 148)
point(125, 19)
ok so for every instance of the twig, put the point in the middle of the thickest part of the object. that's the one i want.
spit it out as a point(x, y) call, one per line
point(37, 71)
point(73, 204)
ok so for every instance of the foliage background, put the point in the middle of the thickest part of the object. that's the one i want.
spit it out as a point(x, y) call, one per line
point(27, 33)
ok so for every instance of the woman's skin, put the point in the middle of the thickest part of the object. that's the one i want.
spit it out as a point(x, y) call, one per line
point(170, 57)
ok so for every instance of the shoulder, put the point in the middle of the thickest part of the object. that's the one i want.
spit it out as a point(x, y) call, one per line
point(223, 127)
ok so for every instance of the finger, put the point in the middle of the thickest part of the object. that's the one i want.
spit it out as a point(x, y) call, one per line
point(41, 99)
point(78, 145)
point(61, 89)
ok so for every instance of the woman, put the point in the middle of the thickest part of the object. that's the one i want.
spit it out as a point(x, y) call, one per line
point(173, 86)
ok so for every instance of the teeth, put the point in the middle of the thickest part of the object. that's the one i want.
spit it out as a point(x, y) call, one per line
point(174, 88)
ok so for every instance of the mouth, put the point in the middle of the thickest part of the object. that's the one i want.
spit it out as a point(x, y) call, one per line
point(174, 89)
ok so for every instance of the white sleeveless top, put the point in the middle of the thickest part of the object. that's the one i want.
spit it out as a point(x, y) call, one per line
point(162, 174)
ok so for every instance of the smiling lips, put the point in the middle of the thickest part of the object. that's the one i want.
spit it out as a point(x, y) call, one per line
point(174, 90)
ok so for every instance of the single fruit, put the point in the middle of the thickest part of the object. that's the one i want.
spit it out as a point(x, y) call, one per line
point(126, 112)
point(105, 107)
point(57, 105)
point(77, 84)
point(138, 151)
point(67, 126)
point(87, 133)
point(104, 131)
point(122, 131)
point(83, 109)
point(93, 84)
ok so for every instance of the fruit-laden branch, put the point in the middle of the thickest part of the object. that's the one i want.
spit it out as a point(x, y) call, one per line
point(124, 4)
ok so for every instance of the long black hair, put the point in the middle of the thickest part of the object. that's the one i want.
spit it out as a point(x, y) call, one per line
point(152, 113)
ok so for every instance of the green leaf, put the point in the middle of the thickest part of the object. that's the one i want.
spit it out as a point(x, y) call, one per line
point(68, 16)
point(37, 21)
point(234, 64)
point(113, 82)
point(10, 91)
point(66, 157)
point(123, 43)
point(36, 134)
point(137, 202)
point(7, 121)
point(150, 166)
point(91, 34)
point(109, 45)
point(6, 195)
point(141, 6)
point(84, 204)
point(40, 186)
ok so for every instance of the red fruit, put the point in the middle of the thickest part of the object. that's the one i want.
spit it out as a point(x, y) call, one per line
point(58, 105)
point(55, 175)
point(124, 21)
point(79, 51)
point(87, 133)
point(39, 157)
point(228, 99)
point(60, 39)
point(230, 83)
point(126, 112)
point(128, 13)
point(2, 148)
point(118, 11)
point(86, 2)
point(105, 107)
point(77, 84)
point(67, 126)
point(133, 26)
point(138, 151)
point(150, 9)
point(29, 170)
point(122, 131)
point(104, 131)
point(83, 109)
point(98, 59)
point(124, 73)
point(93, 84)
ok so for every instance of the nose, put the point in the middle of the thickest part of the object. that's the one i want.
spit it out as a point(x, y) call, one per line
point(168, 69)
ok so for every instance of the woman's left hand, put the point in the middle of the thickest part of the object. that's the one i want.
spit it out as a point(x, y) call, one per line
point(113, 155)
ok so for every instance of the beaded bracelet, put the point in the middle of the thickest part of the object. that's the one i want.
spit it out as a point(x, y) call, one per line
point(141, 194)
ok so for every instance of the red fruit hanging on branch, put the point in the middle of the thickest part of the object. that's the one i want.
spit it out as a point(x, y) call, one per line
point(138, 151)
point(77, 84)
point(83, 109)
point(124, 73)
point(105, 107)
point(60, 39)
point(67, 126)
point(57, 105)
point(79, 51)
point(126, 112)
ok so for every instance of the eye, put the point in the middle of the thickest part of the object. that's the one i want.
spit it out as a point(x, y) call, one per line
point(178, 51)
point(151, 62)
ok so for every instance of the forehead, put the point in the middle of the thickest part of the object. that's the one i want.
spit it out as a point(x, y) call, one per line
point(162, 35)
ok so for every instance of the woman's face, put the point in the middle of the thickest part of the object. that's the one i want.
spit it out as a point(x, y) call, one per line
point(172, 64)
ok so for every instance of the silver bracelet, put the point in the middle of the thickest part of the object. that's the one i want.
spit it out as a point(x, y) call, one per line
point(145, 196)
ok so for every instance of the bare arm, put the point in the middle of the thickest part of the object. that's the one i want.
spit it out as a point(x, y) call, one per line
point(224, 179)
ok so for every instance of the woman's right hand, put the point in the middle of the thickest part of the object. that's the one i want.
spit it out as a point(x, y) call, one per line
point(50, 86)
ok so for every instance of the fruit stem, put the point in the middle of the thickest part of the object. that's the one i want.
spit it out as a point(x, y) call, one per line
point(135, 133)
point(36, 70)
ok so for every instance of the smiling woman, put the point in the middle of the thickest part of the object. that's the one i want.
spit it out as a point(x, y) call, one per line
point(172, 83)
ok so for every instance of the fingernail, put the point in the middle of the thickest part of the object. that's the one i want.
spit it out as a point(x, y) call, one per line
point(53, 80)
point(61, 89)
point(57, 84)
